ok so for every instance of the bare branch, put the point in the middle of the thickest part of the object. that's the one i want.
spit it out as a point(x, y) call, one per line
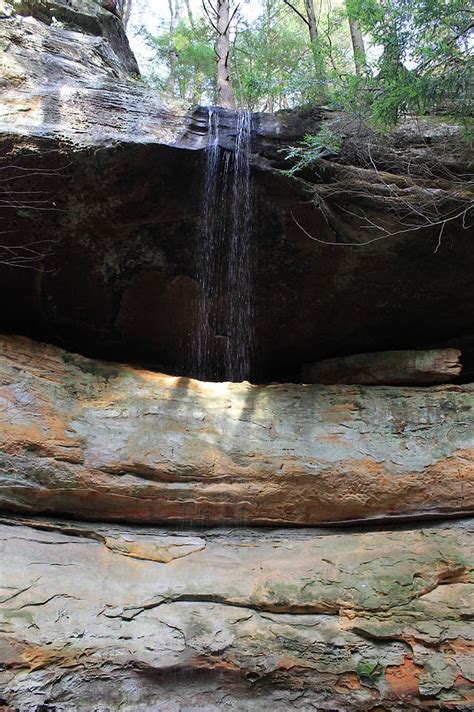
point(297, 11)
point(231, 18)
point(209, 16)
point(388, 234)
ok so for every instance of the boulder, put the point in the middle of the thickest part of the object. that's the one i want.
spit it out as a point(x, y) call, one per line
point(388, 368)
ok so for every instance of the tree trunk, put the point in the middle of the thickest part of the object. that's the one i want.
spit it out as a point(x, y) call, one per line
point(126, 10)
point(225, 93)
point(269, 107)
point(315, 43)
point(100, 617)
point(172, 53)
point(190, 14)
point(312, 22)
point(90, 439)
point(358, 45)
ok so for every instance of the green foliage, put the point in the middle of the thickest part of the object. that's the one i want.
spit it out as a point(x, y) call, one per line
point(425, 62)
point(322, 145)
point(193, 49)
point(274, 68)
point(418, 59)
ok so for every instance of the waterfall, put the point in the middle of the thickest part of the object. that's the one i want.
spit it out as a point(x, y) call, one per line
point(223, 344)
point(240, 256)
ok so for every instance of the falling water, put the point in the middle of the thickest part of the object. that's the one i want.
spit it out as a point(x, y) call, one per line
point(225, 324)
point(240, 303)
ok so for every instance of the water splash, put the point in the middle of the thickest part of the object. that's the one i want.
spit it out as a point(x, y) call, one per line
point(223, 345)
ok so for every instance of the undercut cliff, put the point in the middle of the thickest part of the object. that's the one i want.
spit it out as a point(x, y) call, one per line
point(349, 257)
point(169, 543)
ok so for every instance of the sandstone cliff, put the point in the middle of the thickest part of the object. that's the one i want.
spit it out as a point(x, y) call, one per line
point(115, 592)
point(92, 439)
point(100, 617)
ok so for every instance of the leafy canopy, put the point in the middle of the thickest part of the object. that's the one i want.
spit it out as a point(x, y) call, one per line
point(418, 58)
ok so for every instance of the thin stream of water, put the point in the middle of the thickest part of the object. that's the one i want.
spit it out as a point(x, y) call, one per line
point(223, 344)
point(240, 257)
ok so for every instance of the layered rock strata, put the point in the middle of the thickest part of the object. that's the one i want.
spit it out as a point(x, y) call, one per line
point(101, 197)
point(96, 617)
point(93, 439)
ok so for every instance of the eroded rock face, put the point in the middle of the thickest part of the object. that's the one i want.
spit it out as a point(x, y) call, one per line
point(121, 175)
point(90, 439)
point(96, 616)
point(132, 619)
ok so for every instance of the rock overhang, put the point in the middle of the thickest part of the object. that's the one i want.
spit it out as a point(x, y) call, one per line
point(120, 275)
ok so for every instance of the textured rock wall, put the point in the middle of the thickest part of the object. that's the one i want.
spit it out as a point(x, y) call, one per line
point(106, 616)
point(68, 73)
point(94, 439)
point(99, 617)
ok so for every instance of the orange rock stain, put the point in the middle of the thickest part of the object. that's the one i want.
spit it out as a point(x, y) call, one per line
point(404, 679)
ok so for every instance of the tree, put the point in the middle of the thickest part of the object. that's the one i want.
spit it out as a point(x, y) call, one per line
point(121, 8)
point(273, 63)
point(125, 8)
point(190, 14)
point(425, 64)
point(269, 39)
point(357, 39)
point(174, 10)
point(421, 65)
point(312, 23)
point(310, 20)
point(191, 62)
point(220, 17)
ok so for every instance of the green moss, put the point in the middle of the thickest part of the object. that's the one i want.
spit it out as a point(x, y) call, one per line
point(8, 613)
point(369, 672)
point(90, 366)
